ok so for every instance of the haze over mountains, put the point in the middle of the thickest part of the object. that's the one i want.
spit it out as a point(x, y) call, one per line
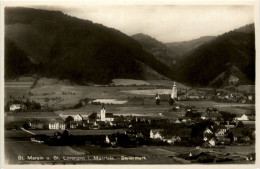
point(54, 44)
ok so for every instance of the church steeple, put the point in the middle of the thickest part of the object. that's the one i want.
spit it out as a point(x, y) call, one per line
point(174, 91)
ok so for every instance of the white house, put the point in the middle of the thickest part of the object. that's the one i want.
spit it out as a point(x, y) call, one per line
point(156, 134)
point(107, 140)
point(212, 142)
point(55, 125)
point(246, 117)
point(78, 117)
point(14, 107)
point(219, 133)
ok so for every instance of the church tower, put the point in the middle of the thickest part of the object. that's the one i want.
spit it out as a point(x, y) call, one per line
point(174, 91)
point(103, 114)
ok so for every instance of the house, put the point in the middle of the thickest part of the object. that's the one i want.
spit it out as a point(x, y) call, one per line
point(57, 125)
point(78, 117)
point(246, 117)
point(156, 134)
point(172, 139)
point(208, 134)
point(177, 121)
point(75, 124)
point(220, 133)
point(212, 142)
point(207, 131)
point(110, 139)
point(14, 107)
point(222, 128)
point(35, 124)
point(211, 114)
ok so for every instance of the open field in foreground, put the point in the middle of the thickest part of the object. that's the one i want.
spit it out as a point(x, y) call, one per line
point(151, 155)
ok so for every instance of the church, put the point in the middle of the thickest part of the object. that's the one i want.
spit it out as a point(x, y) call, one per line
point(107, 117)
point(174, 91)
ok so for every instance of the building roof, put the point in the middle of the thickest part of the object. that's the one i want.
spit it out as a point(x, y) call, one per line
point(57, 120)
point(79, 115)
point(109, 115)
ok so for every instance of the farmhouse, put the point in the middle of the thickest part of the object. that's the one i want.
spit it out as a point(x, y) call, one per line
point(78, 117)
point(156, 134)
point(35, 124)
point(57, 125)
point(219, 133)
point(14, 107)
point(246, 117)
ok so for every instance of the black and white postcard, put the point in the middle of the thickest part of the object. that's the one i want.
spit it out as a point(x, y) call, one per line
point(129, 83)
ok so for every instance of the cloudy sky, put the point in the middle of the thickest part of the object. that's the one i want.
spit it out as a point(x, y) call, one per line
point(167, 23)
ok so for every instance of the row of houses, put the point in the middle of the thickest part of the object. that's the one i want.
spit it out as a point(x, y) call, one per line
point(73, 122)
point(211, 136)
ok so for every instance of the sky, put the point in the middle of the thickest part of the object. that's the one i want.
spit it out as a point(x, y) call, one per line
point(166, 23)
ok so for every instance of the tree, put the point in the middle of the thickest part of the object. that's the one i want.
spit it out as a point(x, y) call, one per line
point(93, 116)
point(240, 124)
point(171, 101)
point(157, 101)
point(69, 119)
point(26, 125)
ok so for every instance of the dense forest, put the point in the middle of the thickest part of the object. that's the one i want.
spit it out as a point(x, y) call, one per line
point(235, 48)
point(72, 48)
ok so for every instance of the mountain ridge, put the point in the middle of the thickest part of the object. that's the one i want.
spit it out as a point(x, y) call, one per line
point(69, 47)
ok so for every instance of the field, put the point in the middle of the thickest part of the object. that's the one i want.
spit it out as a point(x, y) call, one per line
point(235, 108)
point(129, 98)
point(152, 155)
point(19, 147)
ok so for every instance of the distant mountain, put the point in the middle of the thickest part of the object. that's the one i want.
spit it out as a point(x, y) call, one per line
point(182, 48)
point(210, 60)
point(54, 44)
point(157, 48)
point(246, 29)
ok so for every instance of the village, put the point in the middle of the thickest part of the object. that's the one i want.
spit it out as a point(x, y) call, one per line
point(202, 129)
